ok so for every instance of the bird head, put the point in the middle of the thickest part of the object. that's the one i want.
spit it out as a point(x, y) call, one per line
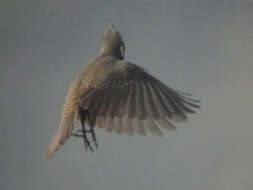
point(112, 43)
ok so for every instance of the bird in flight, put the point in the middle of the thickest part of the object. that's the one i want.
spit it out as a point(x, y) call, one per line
point(113, 94)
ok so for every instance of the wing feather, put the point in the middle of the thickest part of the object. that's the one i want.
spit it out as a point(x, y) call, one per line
point(130, 110)
point(122, 106)
point(109, 124)
point(128, 126)
point(118, 126)
point(160, 104)
point(164, 123)
point(132, 101)
point(138, 126)
point(178, 114)
point(100, 122)
point(149, 102)
point(151, 127)
point(139, 105)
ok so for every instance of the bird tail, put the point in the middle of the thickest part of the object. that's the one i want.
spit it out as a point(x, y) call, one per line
point(63, 132)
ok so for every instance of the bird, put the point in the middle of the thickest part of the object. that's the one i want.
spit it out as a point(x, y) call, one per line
point(114, 94)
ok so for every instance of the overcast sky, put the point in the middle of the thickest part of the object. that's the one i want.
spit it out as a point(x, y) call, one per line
point(199, 46)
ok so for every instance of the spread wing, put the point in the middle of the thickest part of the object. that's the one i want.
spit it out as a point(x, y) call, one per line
point(130, 100)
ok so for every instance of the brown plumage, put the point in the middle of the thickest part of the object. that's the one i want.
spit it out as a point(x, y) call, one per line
point(115, 95)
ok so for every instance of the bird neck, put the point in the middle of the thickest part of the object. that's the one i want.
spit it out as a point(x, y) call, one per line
point(113, 51)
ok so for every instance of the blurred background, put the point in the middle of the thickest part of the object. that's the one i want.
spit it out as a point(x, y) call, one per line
point(199, 46)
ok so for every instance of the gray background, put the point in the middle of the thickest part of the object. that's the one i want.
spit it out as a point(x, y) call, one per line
point(199, 46)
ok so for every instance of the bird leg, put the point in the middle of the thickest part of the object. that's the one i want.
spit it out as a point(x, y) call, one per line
point(93, 135)
point(82, 133)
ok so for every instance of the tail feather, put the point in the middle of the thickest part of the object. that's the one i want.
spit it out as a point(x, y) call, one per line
point(63, 132)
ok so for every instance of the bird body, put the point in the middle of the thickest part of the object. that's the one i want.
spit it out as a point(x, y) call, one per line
point(116, 95)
